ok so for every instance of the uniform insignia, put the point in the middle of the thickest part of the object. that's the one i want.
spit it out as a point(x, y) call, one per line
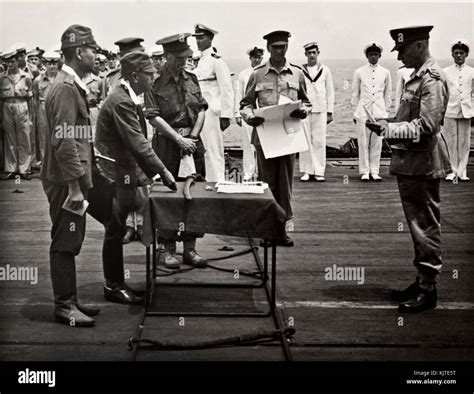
point(69, 79)
point(434, 73)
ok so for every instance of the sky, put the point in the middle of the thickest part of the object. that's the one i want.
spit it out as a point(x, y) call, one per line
point(342, 29)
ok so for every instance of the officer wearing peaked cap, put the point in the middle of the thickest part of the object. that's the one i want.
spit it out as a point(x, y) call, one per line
point(158, 58)
point(67, 171)
point(419, 160)
point(176, 108)
point(126, 45)
point(216, 85)
point(268, 81)
point(457, 122)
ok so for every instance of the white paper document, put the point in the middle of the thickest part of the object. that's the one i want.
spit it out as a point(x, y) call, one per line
point(246, 187)
point(80, 211)
point(281, 134)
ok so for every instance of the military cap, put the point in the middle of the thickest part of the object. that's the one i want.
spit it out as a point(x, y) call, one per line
point(101, 58)
point(51, 56)
point(136, 61)
point(35, 52)
point(461, 44)
point(9, 54)
point(157, 51)
point(405, 35)
point(311, 45)
point(255, 51)
point(176, 44)
point(373, 47)
point(277, 37)
point(76, 36)
point(130, 44)
point(200, 30)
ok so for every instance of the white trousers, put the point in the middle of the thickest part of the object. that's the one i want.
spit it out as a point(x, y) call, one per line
point(213, 141)
point(249, 165)
point(457, 133)
point(370, 149)
point(17, 125)
point(313, 161)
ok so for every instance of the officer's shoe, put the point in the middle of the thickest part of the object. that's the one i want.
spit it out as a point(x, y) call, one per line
point(25, 176)
point(423, 299)
point(405, 295)
point(170, 260)
point(10, 175)
point(191, 257)
point(69, 314)
point(376, 177)
point(129, 236)
point(305, 178)
point(286, 241)
point(365, 178)
point(121, 295)
point(89, 310)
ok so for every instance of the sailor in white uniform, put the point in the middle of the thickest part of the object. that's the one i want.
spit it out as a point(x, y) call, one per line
point(216, 87)
point(372, 88)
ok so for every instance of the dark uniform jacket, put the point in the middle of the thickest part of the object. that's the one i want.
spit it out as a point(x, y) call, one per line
point(421, 112)
point(68, 148)
point(121, 135)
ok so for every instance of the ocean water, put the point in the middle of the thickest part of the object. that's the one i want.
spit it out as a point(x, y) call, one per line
point(342, 128)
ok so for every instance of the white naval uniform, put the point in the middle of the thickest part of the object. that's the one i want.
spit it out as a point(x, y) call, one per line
point(321, 95)
point(216, 87)
point(249, 159)
point(457, 121)
point(372, 87)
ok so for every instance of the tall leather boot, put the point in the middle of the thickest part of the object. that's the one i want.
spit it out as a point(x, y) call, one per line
point(63, 278)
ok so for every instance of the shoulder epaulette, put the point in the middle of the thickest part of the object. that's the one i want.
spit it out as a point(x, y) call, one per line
point(69, 79)
point(213, 54)
point(434, 72)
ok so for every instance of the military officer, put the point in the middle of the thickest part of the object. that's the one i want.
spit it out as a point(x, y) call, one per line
point(157, 55)
point(216, 85)
point(372, 88)
point(41, 87)
point(176, 108)
point(419, 160)
point(112, 79)
point(457, 122)
point(268, 81)
point(94, 97)
point(249, 163)
point(121, 135)
point(66, 172)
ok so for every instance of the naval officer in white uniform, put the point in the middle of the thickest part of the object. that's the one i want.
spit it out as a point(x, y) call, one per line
point(216, 86)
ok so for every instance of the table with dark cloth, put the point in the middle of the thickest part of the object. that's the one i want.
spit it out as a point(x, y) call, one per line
point(240, 215)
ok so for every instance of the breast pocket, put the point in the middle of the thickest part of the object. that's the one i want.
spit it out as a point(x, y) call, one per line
point(265, 92)
point(293, 90)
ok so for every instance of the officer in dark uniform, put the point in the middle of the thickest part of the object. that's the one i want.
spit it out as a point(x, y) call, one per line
point(268, 81)
point(176, 108)
point(66, 172)
point(121, 135)
point(126, 45)
point(419, 160)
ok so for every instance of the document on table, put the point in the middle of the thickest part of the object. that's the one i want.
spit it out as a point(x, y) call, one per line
point(281, 134)
point(246, 187)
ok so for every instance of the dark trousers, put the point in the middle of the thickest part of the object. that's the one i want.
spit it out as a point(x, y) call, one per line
point(278, 173)
point(115, 230)
point(68, 230)
point(421, 204)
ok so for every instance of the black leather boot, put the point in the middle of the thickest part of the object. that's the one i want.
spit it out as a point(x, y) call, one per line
point(405, 295)
point(423, 299)
point(63, 278)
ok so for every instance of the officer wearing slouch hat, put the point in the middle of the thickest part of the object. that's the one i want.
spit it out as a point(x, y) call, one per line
point(121, 136)
point(176, 108)
point(67, 171)
point(268, 81)
point(216, 85)
point(419, 159)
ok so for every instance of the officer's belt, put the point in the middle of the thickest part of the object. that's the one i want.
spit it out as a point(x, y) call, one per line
point(208, 79)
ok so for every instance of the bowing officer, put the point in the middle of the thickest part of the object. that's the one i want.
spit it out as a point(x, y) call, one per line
point(67, 171)
point(268, 81)
point(176, 108)
point(121, 135)
point(216, 85)
point(419, 159)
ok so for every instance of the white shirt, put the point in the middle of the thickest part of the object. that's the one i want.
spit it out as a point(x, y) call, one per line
point(79, 81)
point(321, 92)
point(131, 92)
point(240, 87)
point(216, 83)
point(372, 87)
point(460, 86)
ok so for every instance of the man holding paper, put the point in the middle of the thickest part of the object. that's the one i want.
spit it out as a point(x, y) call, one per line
point(272, 83)
point(176, 108)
